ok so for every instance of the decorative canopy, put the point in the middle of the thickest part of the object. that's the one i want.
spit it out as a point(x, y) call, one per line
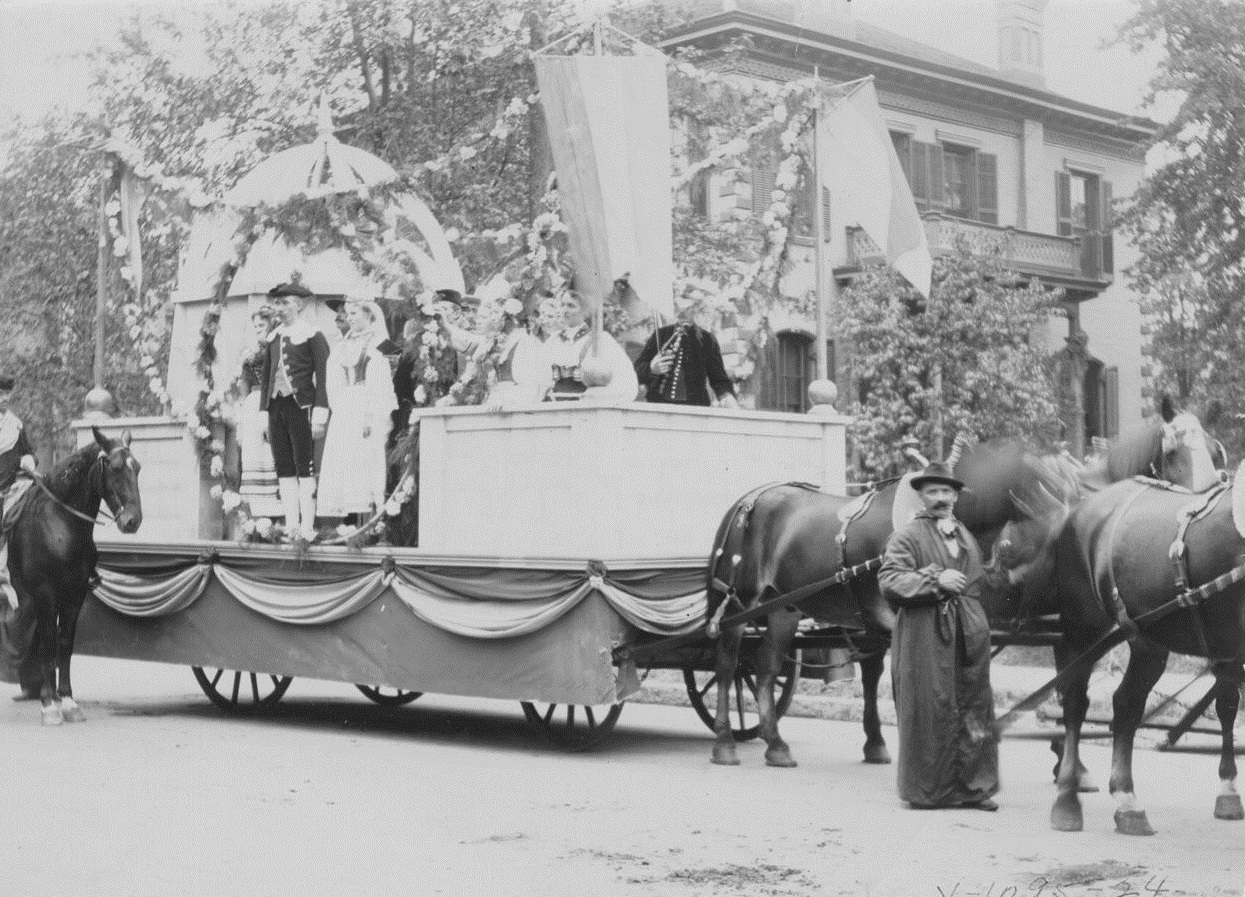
point(324, 167)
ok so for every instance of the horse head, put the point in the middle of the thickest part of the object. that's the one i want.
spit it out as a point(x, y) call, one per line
point(118, 486)
point(1021, 563)
point(1176, 448)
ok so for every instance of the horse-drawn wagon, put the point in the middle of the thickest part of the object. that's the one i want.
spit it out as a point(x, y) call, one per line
point(550, 538)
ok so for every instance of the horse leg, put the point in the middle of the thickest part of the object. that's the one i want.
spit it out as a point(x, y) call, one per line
point(1146, 663)
point(871, 667)
point(1228, 678)
point(779, 634)
point(1065, 815)
point(45, 649)
point(727, 664)
point(64, 652)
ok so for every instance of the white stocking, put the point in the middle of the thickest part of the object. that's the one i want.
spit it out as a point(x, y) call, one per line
point(307, 506)
point(288, 489)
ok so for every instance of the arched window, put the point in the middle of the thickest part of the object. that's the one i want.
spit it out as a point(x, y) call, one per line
point(789, 365)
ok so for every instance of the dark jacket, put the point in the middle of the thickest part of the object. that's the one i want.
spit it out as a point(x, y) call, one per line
point(699, 361)
point(303, 355)
point(10, 460)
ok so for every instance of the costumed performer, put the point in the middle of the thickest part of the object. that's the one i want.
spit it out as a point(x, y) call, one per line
point(568, 350)
point(296, 400)
point(258, 486)
point(523, 374)
point(360, 392)
point(679, 365)
point(940, 649)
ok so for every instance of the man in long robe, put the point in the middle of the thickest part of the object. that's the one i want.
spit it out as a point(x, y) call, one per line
point(940, 655)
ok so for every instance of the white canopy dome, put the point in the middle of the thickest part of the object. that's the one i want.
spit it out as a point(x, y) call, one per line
point(321, 168)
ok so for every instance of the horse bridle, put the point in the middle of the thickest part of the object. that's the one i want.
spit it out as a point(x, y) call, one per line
point(98, 465)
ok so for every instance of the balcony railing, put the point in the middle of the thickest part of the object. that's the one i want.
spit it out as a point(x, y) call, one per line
point(1025, 252)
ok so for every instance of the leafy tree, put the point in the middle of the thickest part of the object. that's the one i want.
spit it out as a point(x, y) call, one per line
point(1187, 218)
point(961, 362)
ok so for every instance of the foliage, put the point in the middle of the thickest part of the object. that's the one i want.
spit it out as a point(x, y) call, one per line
point(961, 362)
point(1187, 218)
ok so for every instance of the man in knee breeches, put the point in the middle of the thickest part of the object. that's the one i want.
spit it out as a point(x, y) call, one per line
point(295, 397)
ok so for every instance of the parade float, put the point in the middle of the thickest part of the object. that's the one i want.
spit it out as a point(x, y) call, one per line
point(549, 535)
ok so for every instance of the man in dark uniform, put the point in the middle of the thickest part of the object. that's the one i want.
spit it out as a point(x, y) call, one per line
point(940, 650)
point(680, 363)
point(296, 399)
point(16, 454)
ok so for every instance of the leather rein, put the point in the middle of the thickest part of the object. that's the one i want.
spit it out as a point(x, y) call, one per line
point(39, 481)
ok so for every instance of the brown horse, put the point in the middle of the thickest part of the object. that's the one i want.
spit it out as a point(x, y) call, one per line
point(52, 560)
point(1110, 562)
point(787, 538)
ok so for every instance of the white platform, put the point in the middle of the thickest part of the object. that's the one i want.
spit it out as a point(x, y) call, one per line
point(608, 481)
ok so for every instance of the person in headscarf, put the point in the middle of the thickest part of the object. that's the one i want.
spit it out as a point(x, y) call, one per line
point(940, 654)
point(579, 359)
point(360, 391)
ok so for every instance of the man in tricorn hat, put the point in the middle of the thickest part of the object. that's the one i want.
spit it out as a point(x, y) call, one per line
point(296, 399)
point(940, 664)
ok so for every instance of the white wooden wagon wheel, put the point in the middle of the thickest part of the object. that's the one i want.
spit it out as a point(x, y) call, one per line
point(240, 692)
point(702, 691)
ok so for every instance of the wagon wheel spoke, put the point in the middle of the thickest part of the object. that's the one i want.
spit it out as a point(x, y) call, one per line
point(266, 689)
point(571, 729)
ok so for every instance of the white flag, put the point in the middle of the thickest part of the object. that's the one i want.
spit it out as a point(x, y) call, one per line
point(867, 183)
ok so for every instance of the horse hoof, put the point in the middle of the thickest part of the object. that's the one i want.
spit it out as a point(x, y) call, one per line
point(877, 753)
point(1066, 816)
point(74, 715)
point(1228, 806)
point(1132, 822)
point(725, 756)
point(780, 757)
point(52, 715)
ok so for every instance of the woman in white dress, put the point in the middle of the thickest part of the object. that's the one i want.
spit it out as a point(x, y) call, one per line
point(361, 398)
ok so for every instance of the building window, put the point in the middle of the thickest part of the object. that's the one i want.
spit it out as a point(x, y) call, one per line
point(1102, 401)
point(958, 180)
point(1083, 211)
point(789, 365)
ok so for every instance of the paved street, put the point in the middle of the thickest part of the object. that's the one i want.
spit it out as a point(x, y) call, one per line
point(158, 793)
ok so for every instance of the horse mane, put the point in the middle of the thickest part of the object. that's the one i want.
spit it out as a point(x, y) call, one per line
point(1134, 453)
point(71, 471)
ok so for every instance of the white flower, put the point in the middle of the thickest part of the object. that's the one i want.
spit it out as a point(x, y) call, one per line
point(120, 246)
point(113, 207)
point(452, 234)
point(202, 432)
point(346, 530)
point(217, 446)
point(230, 501)
point(217, 467)
point(127, 273)
point(263, 527)
point(216, 492)
point(392, 507)
point(780, 113)
point(467, 153)
point(249, 526)
point(347, 230)
point(421, 394)
point(513, 306)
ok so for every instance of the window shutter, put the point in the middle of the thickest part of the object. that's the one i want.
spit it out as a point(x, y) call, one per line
point(937, 177)
point(1111, 409)
point(987, 188)
point(1108, 242)
point(762, 189)
point(767, 374)
point(1063, 203)
point(920, 175)
point(1091, 243)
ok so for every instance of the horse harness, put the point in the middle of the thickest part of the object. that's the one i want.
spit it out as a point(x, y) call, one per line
point(741, 515)
point(99, 463)
point(1200, 506)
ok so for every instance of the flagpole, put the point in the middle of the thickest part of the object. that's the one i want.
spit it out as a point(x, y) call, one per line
point(822, 291)
point(101, 278)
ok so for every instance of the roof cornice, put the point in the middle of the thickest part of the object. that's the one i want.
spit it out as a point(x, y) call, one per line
point(833, 52)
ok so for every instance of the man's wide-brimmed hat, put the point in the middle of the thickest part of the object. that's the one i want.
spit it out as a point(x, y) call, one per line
point(936, 472)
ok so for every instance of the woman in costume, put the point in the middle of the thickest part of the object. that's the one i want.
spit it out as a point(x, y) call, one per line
point(259, 476)
point(361, 398)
